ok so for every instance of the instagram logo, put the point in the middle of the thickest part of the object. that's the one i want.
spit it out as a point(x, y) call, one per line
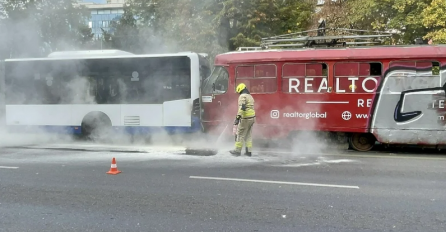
point(275, 114)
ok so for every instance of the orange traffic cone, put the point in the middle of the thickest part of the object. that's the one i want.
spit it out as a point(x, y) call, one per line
point(114, 168)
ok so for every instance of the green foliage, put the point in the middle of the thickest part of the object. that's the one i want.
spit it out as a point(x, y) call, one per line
point(336, 15)
point(244, 23)
point(62, 24)
point(404, 16)
point(434, 18)
point(36, 28)
point(165, 26)
point(211, 26)
point(85, 35)
point(126, 36)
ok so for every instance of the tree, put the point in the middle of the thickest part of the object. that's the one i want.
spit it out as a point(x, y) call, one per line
point(167, 26)
point(213, 26)
point(23, 38)
point(37, 27)
point(336, 14)
point(63, 24)
point(4, 50)
point(402, 16)
point(434, 18)
point(126, 33)
point(246, 22)
point(184, 25)
point(85, 35)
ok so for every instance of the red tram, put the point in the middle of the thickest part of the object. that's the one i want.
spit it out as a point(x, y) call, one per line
point(389, 94)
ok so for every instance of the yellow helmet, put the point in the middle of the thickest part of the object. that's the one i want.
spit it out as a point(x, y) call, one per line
point(240, 87)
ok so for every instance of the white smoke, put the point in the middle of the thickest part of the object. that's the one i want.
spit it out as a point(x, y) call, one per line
point(80, 90)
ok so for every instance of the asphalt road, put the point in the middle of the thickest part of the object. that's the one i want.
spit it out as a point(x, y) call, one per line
point(164, 190)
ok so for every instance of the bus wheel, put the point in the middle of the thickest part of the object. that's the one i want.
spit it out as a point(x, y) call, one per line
point(96, 126)
point(362, 141)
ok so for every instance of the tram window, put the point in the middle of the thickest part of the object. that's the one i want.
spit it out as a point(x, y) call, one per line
point(245, 72)
point(421, 67)
point(435, 68)
point(403, 64)
point(222, 81)
point(375, 69)
point(265, 71)
point(259, 78)
point(357, 77)
point(411, 75)
point(217, 82)
point(304, 78)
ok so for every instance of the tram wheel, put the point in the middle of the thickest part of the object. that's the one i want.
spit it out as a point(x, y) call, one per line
point(362, 141)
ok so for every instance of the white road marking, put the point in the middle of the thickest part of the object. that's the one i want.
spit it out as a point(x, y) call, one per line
point(6, 167)
point(275, 182)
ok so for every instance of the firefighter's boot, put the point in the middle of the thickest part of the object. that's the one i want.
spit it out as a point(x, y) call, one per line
point(247, 153)
point(235, 152)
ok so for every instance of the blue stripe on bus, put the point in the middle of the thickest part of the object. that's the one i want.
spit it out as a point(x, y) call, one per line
point(45, 129)
point(119, 129)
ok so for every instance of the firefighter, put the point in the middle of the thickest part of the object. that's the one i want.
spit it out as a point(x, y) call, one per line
point(244, 121)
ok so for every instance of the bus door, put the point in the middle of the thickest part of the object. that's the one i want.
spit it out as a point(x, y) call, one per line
point(215, 96)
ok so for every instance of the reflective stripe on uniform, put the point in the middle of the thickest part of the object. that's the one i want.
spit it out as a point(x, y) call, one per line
point(249, 113)
point(238, 146)
point(248, 144)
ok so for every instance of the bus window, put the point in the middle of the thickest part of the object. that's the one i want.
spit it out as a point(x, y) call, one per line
point(304, 78)
point(217, 82)
point(260, 78)
point(357, 77)
point(143, 80)
point(44, 82)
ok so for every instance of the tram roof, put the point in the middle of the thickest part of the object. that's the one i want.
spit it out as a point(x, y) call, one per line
point(342, 53)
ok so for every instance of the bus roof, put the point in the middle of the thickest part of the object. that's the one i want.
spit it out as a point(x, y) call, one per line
point(323, 54)
point(98, 55)
point(86, 53)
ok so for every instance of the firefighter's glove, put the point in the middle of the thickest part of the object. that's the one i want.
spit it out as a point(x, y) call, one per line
point(237, 120)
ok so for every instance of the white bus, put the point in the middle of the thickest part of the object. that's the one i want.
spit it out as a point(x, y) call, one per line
point(86, 92)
